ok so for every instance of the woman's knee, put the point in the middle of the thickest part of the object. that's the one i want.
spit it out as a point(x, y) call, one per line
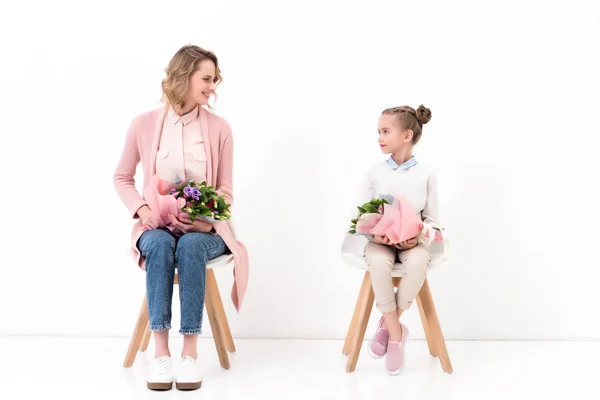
point(157, 241)
point(196, 244)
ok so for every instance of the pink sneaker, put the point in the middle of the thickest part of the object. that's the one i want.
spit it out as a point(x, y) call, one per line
point(379, 342)
point(394, 358)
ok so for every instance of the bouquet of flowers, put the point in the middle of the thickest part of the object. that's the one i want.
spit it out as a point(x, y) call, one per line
point(395, 219)
point(185, 198)
point(201, 200)
point(375, 206)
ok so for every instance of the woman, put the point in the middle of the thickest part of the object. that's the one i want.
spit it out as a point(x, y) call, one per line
point(180, 141)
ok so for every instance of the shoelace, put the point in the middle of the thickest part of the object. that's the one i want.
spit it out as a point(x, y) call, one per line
point(187, 360)
point(162, 365)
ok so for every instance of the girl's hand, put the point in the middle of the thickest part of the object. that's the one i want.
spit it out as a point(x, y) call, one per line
point(149, 221)
point(381, 240)
point(185, 225)
point(407, 244)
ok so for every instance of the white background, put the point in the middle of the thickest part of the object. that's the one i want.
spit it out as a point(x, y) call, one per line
point(513, 87)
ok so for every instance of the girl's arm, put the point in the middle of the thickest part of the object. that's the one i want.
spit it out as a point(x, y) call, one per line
point(123, 177)
point(366, 190)
point(366, 193)
point(430, 214)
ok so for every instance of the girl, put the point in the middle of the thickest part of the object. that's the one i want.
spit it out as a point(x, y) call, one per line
point(180, 141)
point(400, 129)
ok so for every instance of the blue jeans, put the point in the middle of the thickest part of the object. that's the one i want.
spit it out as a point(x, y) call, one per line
point(189, 254)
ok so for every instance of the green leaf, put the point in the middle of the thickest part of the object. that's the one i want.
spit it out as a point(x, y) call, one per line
point(362, 210)
point(371, 209)
point(352, 231)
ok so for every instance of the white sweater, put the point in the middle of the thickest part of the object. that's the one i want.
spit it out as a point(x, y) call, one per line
point(413, 180)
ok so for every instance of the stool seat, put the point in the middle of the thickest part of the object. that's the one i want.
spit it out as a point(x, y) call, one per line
point(221, 261)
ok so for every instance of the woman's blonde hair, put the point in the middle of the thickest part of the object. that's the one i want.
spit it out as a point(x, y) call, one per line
point(410, 118)
point(181, 67)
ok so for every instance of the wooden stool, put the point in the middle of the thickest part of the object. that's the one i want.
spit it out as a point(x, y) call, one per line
point(216, 315)
point(362, 312)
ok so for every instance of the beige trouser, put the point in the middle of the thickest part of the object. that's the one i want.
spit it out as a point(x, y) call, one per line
point(381, 259)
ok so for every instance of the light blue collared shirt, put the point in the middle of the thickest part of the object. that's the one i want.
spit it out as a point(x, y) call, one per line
point(408, 164)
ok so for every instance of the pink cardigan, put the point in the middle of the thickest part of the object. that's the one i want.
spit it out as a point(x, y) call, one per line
point(141, 144)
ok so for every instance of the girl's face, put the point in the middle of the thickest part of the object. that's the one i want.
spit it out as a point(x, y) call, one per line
point(392, 138)
point(202, 83)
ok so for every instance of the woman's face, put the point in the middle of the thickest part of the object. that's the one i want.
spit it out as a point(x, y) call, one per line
point(202, 83)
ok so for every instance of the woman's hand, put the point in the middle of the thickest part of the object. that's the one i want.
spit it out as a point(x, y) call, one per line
point(407, 244)
point(149, 221)
point(185, 225)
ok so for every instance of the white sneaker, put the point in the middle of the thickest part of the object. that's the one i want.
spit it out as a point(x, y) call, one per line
point(188, 377)
point(160, 374)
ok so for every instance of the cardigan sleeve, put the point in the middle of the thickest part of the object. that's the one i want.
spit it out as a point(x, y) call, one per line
point(224, 184)
point(123, 177)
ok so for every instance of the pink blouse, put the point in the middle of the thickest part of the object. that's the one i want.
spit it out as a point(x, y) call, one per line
point(181, 154)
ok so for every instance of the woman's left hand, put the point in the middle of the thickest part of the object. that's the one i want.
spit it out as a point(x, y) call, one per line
point(407, 244)
point(185, 225)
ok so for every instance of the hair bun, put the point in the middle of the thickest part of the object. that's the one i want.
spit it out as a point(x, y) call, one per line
point(423, 114)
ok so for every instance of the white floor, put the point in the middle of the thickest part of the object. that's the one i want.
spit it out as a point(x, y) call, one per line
point(90, 368)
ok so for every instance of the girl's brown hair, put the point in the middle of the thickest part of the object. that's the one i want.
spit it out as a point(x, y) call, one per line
point(410, 118)
point(181, 67)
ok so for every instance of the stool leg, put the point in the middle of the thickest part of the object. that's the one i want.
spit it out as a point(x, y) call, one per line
point(218, 334)
point(431, 317)
point(222, 319)
point(138, 332)
point(353, 322)
point(366, 298)
point(146, 338)
point(427, 329)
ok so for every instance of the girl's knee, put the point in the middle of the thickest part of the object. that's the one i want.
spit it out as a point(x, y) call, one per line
point(380, 263)
point(416, 267)
point(416, 259)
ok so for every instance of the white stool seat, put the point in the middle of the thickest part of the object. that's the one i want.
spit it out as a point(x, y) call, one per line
point(353, 252)
point(397, 269)
point(221, 261)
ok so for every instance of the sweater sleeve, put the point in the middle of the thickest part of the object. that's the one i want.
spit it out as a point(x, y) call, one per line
point(353, 246)
point(430, 214)
point(367, 189)
point(366, 192)
point(123, 178)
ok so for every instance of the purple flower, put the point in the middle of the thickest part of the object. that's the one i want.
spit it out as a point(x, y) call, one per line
point(188, 191)
point(173, 191)
point(195, 193)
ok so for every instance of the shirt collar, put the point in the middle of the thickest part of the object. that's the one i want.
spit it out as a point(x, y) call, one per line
point(406, 165)
point(185, 119)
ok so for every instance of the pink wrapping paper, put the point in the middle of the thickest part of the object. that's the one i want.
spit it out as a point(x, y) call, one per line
point(162, 203)
point(399, 222)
